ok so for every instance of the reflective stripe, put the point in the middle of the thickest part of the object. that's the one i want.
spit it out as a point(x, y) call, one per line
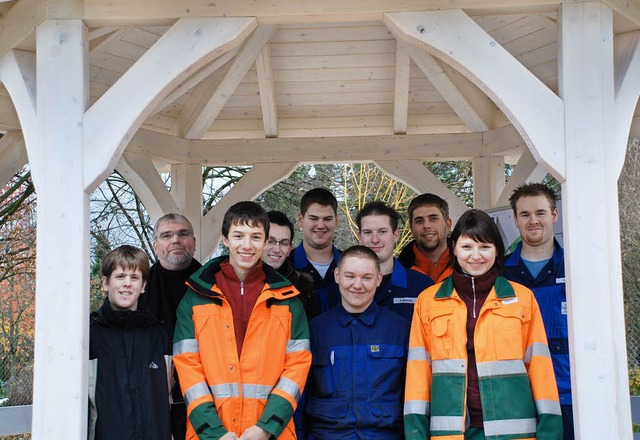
point(419, 354)
point(510, 427)
point(416, 407)
point(253, 391)
point(225, 390)
point(295, 345)
point(196, 391)
point(289, 387)
point(450, 366)
point(447, 423)
point(186, 346)
point(548, 407)
point(501, 368)
point(536, 349)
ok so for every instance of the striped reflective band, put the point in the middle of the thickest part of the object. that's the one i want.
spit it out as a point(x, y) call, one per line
point(548, 407)
point(450, 366)
point(252, 391)
point(225, 390)
point(295, 345)
point(289, 387)
point(419, 354)
point(196, 391)
point(536, 349)
point(420, 407)
point(501, 368)
point(447, 423)
point(186, 346)
point(510, 427)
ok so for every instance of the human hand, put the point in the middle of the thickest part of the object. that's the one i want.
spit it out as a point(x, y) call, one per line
point(229, 436)
point(255, 433)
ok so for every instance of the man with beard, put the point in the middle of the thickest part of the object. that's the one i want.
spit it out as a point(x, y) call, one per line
point(430, 224)
point(174, 245)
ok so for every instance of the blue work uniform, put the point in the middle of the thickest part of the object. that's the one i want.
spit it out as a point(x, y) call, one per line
point(322, 285)
point(356, 381)
point(550, 292)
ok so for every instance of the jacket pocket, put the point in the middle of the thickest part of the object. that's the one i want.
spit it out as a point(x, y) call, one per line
point(507, 332)
point(442, 332)
point(385, 366)
point(321, 374)
point(324, 409)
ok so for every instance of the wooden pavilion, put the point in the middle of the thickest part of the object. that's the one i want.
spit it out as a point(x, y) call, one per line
point(88, 86)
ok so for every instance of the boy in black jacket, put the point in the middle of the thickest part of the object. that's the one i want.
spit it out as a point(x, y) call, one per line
point(130, 357)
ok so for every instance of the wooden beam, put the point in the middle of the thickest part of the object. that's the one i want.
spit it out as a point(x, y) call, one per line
point(527, 170)
point(211, 104)
point(267, 93)
point(145, 180)
point(19, 24)
point(455, 38)
point(627, 86)
point(434, 72)
point(182, 50)
point(18, 74)
point(98, 12)
point(415, 175)
point(626, 8)
point(186, 189)
point(195, 79)
point(100, 43)
point(436, 147)
point(488, 181)
point(401, 91)
point(8, 117)
point(256, 181)
point(13, 155)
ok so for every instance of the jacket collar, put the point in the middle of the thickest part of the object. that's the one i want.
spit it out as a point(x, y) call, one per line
point(368, 317)
point(300, 260)
point(514, 258)
point(502, 288)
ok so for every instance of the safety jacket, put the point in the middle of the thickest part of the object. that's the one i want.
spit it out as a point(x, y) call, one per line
point(550, 291)
point(224, 392)
point(517, 386)
point(408, 259)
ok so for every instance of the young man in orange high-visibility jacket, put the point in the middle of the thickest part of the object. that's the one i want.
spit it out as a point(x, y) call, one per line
point(241, 343)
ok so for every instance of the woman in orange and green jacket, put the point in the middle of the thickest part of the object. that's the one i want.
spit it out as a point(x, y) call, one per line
point(479, 365)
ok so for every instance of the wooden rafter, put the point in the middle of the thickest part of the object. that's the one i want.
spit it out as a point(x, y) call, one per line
point(267, 92)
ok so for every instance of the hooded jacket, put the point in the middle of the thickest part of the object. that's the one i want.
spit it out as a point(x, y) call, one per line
point(225, 392)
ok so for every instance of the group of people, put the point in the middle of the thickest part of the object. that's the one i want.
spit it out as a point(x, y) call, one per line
point(450, 340)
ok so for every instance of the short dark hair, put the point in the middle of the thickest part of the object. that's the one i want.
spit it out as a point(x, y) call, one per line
point(379, 208)
point(320, 196)
point(533, 190)
point(171, 217)
point(479, 226)
point(428, 199)
point(127, 257)
point(280, 218)
point(245, 213)
point(359, 251)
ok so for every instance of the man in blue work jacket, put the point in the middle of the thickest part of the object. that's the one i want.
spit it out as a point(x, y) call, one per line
point(316, 254)
point(378, 230)
point(538, 263)
point(355, 386)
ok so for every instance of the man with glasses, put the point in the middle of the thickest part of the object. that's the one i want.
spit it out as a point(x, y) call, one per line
point(174, 245)
point(276, 255)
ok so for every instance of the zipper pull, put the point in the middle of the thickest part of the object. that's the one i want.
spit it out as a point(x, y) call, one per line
point(473, 287)
point(241, 288)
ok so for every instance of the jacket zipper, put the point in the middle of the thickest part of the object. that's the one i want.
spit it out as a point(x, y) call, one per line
point(241, 288)
point(473, 287)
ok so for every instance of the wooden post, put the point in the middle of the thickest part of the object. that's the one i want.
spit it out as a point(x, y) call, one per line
point(62, 275)
point(488, 181)
point(591, 224)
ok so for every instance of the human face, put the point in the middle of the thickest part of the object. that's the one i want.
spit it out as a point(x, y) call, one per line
point(358, 278)
point(174, 245)
point(245, 244)
point(429, 228)
point(376, 234)
point(278, 246)
point(318, 225)
point(123, 288)
point(535, 219)
point(474, 258)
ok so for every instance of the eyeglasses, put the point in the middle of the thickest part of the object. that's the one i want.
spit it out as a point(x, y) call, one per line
point(183, 233)
point(281, 243)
